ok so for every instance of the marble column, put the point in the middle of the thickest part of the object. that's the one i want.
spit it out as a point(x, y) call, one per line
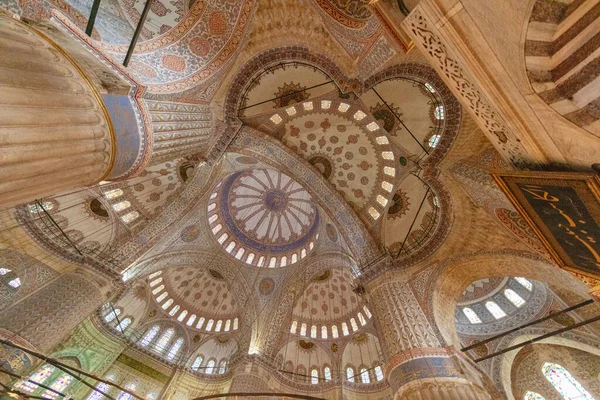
point(418, 366)
point(45, 318)
point(178, 129)
point(55, 132)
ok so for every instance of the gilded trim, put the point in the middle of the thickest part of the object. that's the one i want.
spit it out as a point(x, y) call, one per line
point(113, 149)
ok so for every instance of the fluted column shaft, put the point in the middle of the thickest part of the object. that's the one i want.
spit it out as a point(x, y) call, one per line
point(48, 315)
point(418, 366)
point(55, 133)
point(178, 129)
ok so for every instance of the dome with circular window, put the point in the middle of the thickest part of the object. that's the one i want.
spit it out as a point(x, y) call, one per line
point(264, 218)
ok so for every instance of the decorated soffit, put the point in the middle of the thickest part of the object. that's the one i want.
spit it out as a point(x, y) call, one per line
point(196, 48)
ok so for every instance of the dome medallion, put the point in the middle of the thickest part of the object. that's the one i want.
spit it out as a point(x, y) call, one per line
point(264, 218)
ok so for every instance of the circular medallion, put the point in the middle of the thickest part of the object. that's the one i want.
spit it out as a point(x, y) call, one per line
point(190, 233)
point(266, 286)
point(263, 217)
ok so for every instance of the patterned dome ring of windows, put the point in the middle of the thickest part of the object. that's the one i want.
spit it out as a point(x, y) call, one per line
point(264, 218)
point(198, 298)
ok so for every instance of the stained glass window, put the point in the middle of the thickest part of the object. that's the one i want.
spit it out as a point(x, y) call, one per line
point(323, 332)
point(191, 320)
point(59, 385)
point(314, 376)
point(471, 315)
point(126, 396)
point(429, 87)
point(434, 140)
point(235, 324)
point(350, 374)
point(167, 304)
point(120, 206)
point(439, 112)
point(210, 367)
point(40, 377)
point(294, 326)
point(174, 310)
point(514, 297)
point(364, 376)
point(182, 316)
point(175, 349)
point(151, 396)
point(162, 297)
point(197, 363)
point(124, 324)
point(379, 373)
point(345, 330)
point(313, 332)
point(327, 373)
point(334, 331)
point(35, 208)
point(210, 324)
point(362, 319)
point(227, 325)
point(15, 282)
point(367, 311)
point(533, 396)
point(158, 289)
point(130, 216)
point(222, 367)
point(200, 323)
point(112, 315)
point(303, 329)
point(112, 194)
point(353, 324)
point(495, 309)
point(164, 340)
point(149, 336)
point(565, 383)
point(524, 282)
point(218, 326)
point(96, 395)
point(156, 282)
point(4, 271)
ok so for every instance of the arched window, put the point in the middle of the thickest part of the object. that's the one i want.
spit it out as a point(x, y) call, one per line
point(353, 324)
point(156, 282)
point(158, 289)
point(167, 304)
point(294, 326)
point(314, 376)
point(40, 376)
point(323, 332)
point(303, 329)
point(565, 383)
point(182, 316)
point(35, 208)
point(367, 311)
point(59, 385)
point(434, 140)
point(111, 194)
point(222, 366)
point(227, 325)
point(350, 374)
point(130, 216)
point(200, 323)
point(235, 324)
point(495, 309)
point(364, 376)
point(378, 373)
point(218, 326)
point(345, 330)
point(471, 316)
point(197, 363)
point(210, 367)
point(124, 324)
point(209, 325)
point(162, 297)
point(98, 393)
point(112, 315)
point(362, 319)
point(174, 310)
point(9, 277)
point(524, 282)
point(533, 396)
point(313, 331)
point(164, 340)
point(126, 396)
point(191, 320)
point(334, 332)
point(439, 112)
point(514, 297)
point(175, 349)
point(149, 336)
point(122, 205)
point(327, 373)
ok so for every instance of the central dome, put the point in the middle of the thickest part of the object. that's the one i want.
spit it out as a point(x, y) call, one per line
point(263, 217)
